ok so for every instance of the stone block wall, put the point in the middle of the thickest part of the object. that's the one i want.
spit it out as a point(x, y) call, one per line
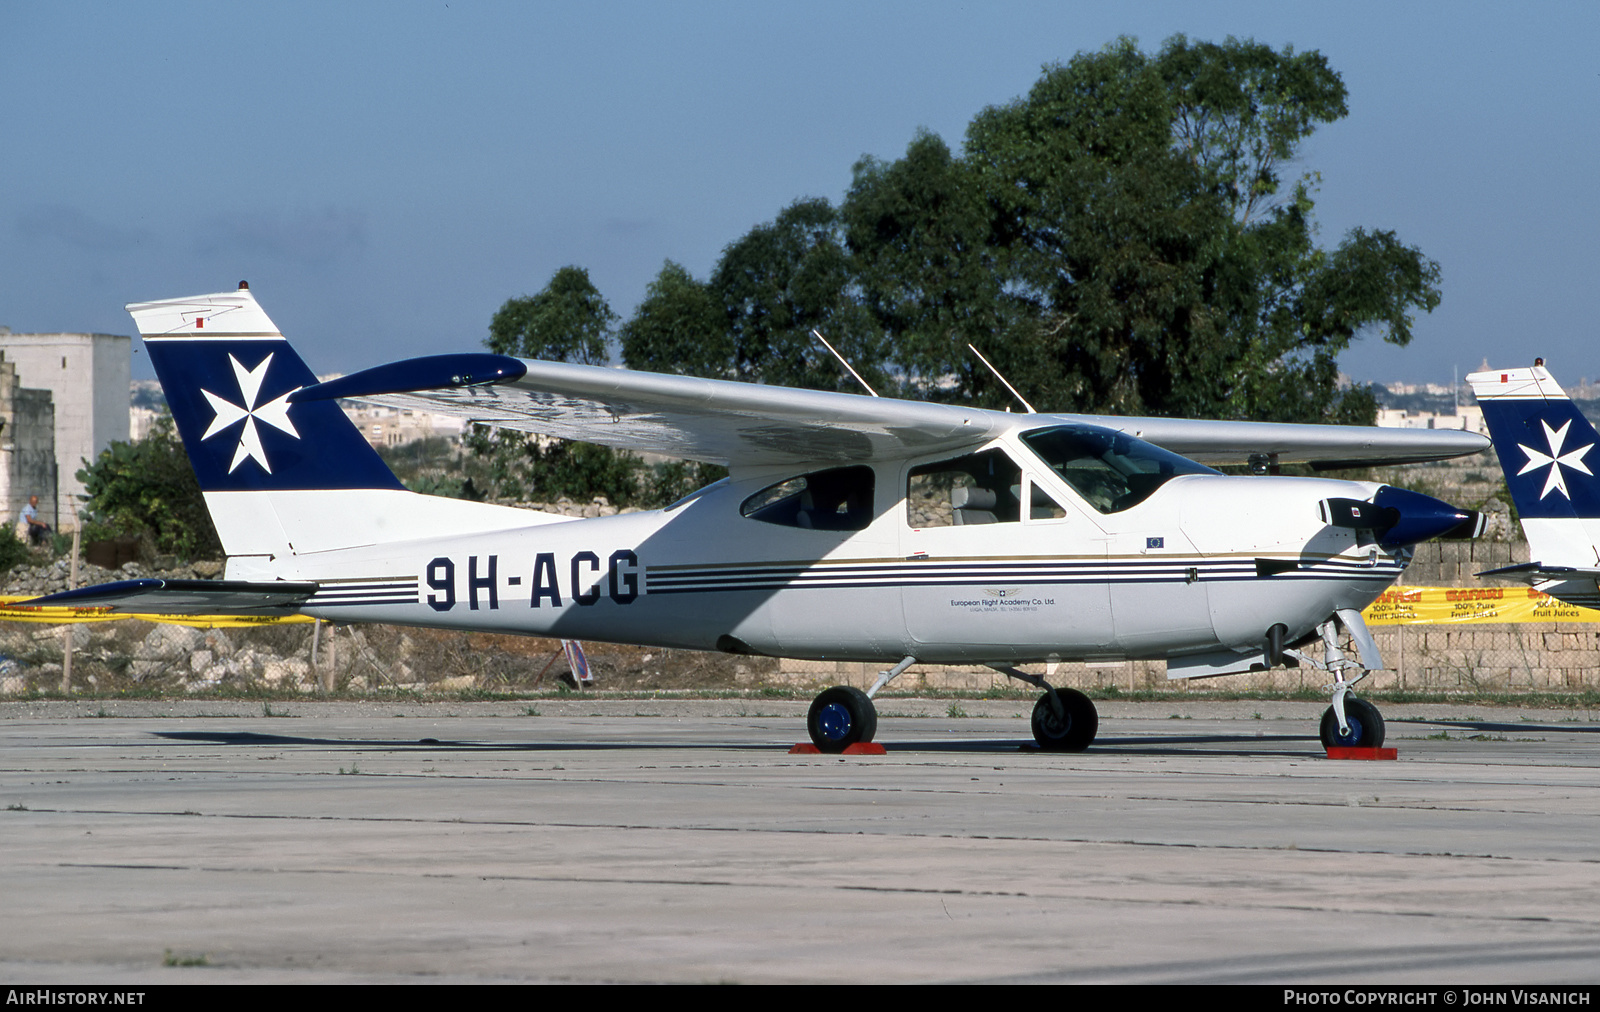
point(1458, 563)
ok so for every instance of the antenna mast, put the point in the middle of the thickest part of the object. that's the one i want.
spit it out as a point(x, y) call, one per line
point(1002, 379)
point(818, 335)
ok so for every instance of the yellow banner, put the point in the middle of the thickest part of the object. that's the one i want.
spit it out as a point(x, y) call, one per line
point(59, 615)
point(1466, 605)
point(1396, 606)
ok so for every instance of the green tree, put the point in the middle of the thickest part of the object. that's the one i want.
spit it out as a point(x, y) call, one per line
point(1240, 110)
point(500, 460)
point(1142, 252)
point(782, 280)
point(752, 319)
point(567, 321)
point(436, 466)
point(671, 480)
point(580, 471)
point(148, 490)
point(13, 550)
point(919, 228)
point(680, 327)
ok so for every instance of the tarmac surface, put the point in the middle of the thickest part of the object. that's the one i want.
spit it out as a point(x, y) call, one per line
point(596, 840)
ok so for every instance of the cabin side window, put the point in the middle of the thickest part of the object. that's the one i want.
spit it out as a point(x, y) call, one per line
point(979, 488)
point(1043, 505)
point(839, 499)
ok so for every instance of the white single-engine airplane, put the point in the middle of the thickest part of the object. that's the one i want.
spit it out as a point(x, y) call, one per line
point(850, 527)
point(1547, 451)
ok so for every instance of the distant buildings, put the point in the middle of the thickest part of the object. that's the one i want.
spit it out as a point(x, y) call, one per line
point(1443, 406)
point(1466, 418)
point(393, 426)
point(1431, 389)
point(380, 425)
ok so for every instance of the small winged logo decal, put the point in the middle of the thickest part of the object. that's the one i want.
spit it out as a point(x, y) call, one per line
point(1555, 460)
point(274, 413)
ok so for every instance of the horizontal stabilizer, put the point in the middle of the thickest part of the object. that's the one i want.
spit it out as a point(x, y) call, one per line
point(1538, 572)
point(184, 597)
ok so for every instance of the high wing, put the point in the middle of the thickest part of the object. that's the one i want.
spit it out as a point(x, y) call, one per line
point(715, 421)
point(753, 425)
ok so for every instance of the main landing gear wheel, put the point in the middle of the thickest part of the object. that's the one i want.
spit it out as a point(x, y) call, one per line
point(1064, 720)
point(1366, 726)
point(841, 717)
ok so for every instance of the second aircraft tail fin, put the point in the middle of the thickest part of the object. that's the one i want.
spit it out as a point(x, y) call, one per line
point(1547, 449)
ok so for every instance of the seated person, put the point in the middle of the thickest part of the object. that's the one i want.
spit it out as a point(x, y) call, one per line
point(37, 530)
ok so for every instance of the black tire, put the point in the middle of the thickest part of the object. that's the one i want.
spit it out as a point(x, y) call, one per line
point(1366, 726)
point(841, 717)
point(1069, 730)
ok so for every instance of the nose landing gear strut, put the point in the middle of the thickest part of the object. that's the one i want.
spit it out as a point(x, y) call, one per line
point(1349, 722)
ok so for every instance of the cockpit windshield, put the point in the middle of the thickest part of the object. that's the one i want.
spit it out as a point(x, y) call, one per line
point(1110, 470)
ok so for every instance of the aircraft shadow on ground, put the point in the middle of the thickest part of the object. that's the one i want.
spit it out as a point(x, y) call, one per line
point(1243, 745)
point(1485, 725)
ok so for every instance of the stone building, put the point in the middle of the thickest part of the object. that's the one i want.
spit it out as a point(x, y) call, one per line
point(88, 376)
point(27, 447)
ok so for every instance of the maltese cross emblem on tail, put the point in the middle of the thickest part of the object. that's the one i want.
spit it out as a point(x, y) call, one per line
point(1555, 460)
point(275, 413)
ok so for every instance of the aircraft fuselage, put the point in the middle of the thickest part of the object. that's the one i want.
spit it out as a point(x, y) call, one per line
point(1207, 562)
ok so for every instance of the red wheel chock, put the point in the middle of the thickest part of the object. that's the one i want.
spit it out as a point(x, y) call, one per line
point(1346, 752)
point(859, 748)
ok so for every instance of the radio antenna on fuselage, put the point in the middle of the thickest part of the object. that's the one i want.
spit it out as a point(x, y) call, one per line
point(818, 335)
point(1002, 379)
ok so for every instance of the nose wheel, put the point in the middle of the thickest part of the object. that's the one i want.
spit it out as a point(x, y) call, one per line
point(1363, 726)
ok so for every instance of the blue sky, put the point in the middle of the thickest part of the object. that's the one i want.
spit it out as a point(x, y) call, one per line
point(387, 174)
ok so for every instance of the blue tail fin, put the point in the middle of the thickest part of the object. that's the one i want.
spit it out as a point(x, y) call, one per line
point(1545, 444)
point(227, 374)
point(286, 480)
